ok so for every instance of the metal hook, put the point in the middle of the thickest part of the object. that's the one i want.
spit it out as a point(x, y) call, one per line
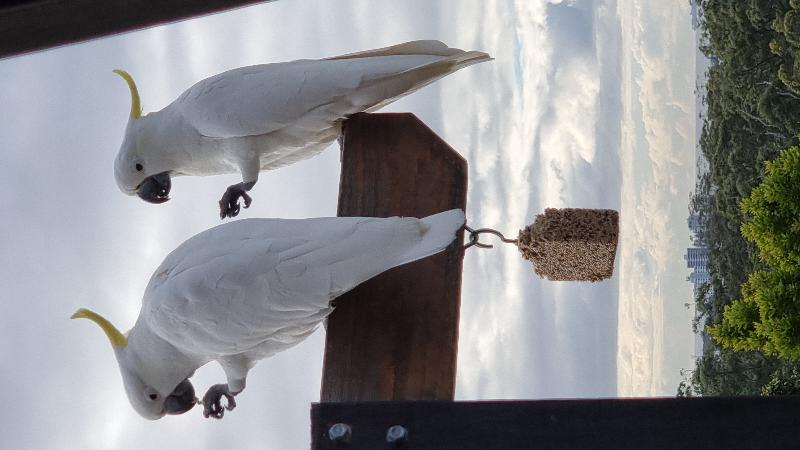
point(474, 235)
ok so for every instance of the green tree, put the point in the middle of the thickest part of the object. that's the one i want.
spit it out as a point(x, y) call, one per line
point(726, 372)
point(687, 387)
point(785, 381)
point(752, 100)
point(703, 307)
point(737, 330)
point(774, 210)
point(748, 120)
point(768, 315)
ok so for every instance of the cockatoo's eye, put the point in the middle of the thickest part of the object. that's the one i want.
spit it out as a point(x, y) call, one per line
point(153, 396)
point(139, 167)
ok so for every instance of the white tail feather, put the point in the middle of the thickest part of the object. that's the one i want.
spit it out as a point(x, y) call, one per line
point(380, 92)
point(436, 48)
point(439, 230)
point(414, 239)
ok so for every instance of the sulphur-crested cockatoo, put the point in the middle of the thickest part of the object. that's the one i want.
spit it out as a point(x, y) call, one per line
point(267, 116)
point(243, 291)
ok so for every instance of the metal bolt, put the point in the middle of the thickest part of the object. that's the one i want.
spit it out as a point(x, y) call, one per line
point(396, 434)
point(339, 433)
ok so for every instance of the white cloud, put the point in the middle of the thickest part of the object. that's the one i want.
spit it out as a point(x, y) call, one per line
point(658, 153)
point(532, 144)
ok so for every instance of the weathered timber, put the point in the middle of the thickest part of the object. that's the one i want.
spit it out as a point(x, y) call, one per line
point(30, 25)
point(702, 423)
point(395, 337)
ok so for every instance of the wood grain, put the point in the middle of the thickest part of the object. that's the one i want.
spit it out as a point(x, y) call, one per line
point(395, 337)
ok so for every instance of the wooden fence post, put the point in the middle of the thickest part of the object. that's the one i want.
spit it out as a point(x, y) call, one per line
point(395, 337)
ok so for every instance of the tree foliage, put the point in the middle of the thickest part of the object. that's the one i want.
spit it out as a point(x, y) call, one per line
point(785, 381)
point(725, 372)
point(752, 99)
point(768, 315)
point(774, 210)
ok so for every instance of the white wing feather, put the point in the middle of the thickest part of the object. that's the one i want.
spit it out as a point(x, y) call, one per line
point(257, 100)
point(262, 285)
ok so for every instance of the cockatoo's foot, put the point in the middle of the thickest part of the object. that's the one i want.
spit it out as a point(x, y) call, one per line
point(229, 203)
point(212, 401)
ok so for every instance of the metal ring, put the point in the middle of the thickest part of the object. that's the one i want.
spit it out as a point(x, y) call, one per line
point(474, 236)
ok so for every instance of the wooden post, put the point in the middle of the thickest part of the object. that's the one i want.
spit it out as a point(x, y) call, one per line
point(395, 337)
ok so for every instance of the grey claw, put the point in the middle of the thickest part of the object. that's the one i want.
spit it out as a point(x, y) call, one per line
point(212, 401)
point(229, 203)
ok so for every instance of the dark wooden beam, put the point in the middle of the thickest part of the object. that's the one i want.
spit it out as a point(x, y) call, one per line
point(27, 26)
point(729, 423)
point(395, 337)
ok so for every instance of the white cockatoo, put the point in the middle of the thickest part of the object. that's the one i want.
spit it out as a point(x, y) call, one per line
point(266, 116)
point(243, 291)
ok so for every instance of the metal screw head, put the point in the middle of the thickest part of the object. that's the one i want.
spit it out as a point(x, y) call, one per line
point(339, 433)
point(396, 434)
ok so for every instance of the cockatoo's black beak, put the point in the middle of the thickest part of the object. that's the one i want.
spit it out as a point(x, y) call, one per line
point(155, 188)
point(181, 399)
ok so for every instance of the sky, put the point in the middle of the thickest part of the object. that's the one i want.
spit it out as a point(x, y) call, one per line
point(587, 104)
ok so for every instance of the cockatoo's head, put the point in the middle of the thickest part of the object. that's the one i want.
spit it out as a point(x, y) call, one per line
point(150, 398)
point(134, 171)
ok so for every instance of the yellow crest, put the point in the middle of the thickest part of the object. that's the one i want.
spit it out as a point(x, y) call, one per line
point(136, 104)
point(117, 339)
